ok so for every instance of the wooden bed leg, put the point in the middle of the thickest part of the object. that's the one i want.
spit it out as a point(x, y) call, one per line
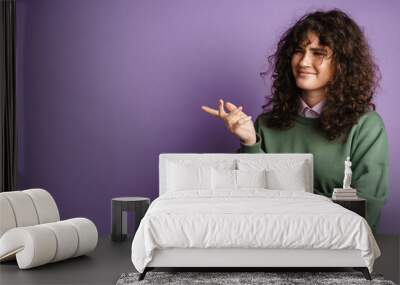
point(143, 274)
point(364, 271)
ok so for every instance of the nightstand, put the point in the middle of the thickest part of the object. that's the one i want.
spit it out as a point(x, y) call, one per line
point(357, 206)
point(119, 208)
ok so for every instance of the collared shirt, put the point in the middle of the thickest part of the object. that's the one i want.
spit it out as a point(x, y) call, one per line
point(308, 112)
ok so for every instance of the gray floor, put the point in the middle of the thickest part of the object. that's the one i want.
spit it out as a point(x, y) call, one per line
point(102, 266)
point(110, 260)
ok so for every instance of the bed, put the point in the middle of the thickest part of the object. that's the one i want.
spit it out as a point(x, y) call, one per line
point(247, 210)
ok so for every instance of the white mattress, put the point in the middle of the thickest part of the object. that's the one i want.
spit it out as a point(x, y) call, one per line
point(250, 218)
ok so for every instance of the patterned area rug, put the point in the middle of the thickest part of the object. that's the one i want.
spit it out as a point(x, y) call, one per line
point(229, 278)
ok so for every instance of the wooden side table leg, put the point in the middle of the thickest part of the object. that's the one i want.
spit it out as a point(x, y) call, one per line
point(116, 224)
point(124, 221)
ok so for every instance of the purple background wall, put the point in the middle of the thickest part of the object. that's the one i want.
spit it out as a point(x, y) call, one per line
point(105, 86)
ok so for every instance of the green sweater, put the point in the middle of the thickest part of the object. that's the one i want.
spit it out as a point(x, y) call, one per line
point(366, 145)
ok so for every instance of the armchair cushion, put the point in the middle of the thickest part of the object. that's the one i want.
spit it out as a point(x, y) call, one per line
point(40, 244)
point(31, 232)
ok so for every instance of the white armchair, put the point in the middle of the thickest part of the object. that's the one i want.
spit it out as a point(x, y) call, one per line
point(31, 230)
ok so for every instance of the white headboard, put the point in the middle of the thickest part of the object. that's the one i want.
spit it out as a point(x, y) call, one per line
point(214, 157)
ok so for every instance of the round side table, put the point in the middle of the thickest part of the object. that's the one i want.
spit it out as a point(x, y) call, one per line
point(119, 208)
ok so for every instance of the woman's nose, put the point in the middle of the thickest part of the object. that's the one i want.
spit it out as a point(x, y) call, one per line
point(306, 59)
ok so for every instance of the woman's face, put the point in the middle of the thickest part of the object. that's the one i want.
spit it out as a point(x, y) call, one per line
point(312, 65)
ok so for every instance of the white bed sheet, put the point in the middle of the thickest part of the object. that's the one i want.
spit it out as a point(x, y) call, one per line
point(250, 218)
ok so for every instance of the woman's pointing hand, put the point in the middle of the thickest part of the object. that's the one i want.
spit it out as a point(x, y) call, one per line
point(235, 120)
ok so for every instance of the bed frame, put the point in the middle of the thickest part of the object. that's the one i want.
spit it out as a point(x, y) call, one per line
point(241, 258)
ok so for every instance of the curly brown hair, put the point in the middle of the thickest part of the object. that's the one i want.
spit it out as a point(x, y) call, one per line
point(349, 93)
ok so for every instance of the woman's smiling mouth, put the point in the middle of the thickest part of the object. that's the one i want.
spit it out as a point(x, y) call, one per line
point(306, 73)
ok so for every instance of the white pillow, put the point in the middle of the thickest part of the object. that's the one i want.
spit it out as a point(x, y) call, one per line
point(205, 162)
point(288, 179)
point(251, 178)
point(236, 179)
point(282, 174)
point(188, 177)
point(223, 179)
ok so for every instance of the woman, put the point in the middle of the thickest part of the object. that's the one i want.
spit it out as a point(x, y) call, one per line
point(323, 82)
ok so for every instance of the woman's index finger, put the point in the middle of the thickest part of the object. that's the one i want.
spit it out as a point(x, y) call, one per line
point(210, 111)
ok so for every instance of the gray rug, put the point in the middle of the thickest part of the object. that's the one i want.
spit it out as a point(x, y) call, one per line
point(229, 278)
